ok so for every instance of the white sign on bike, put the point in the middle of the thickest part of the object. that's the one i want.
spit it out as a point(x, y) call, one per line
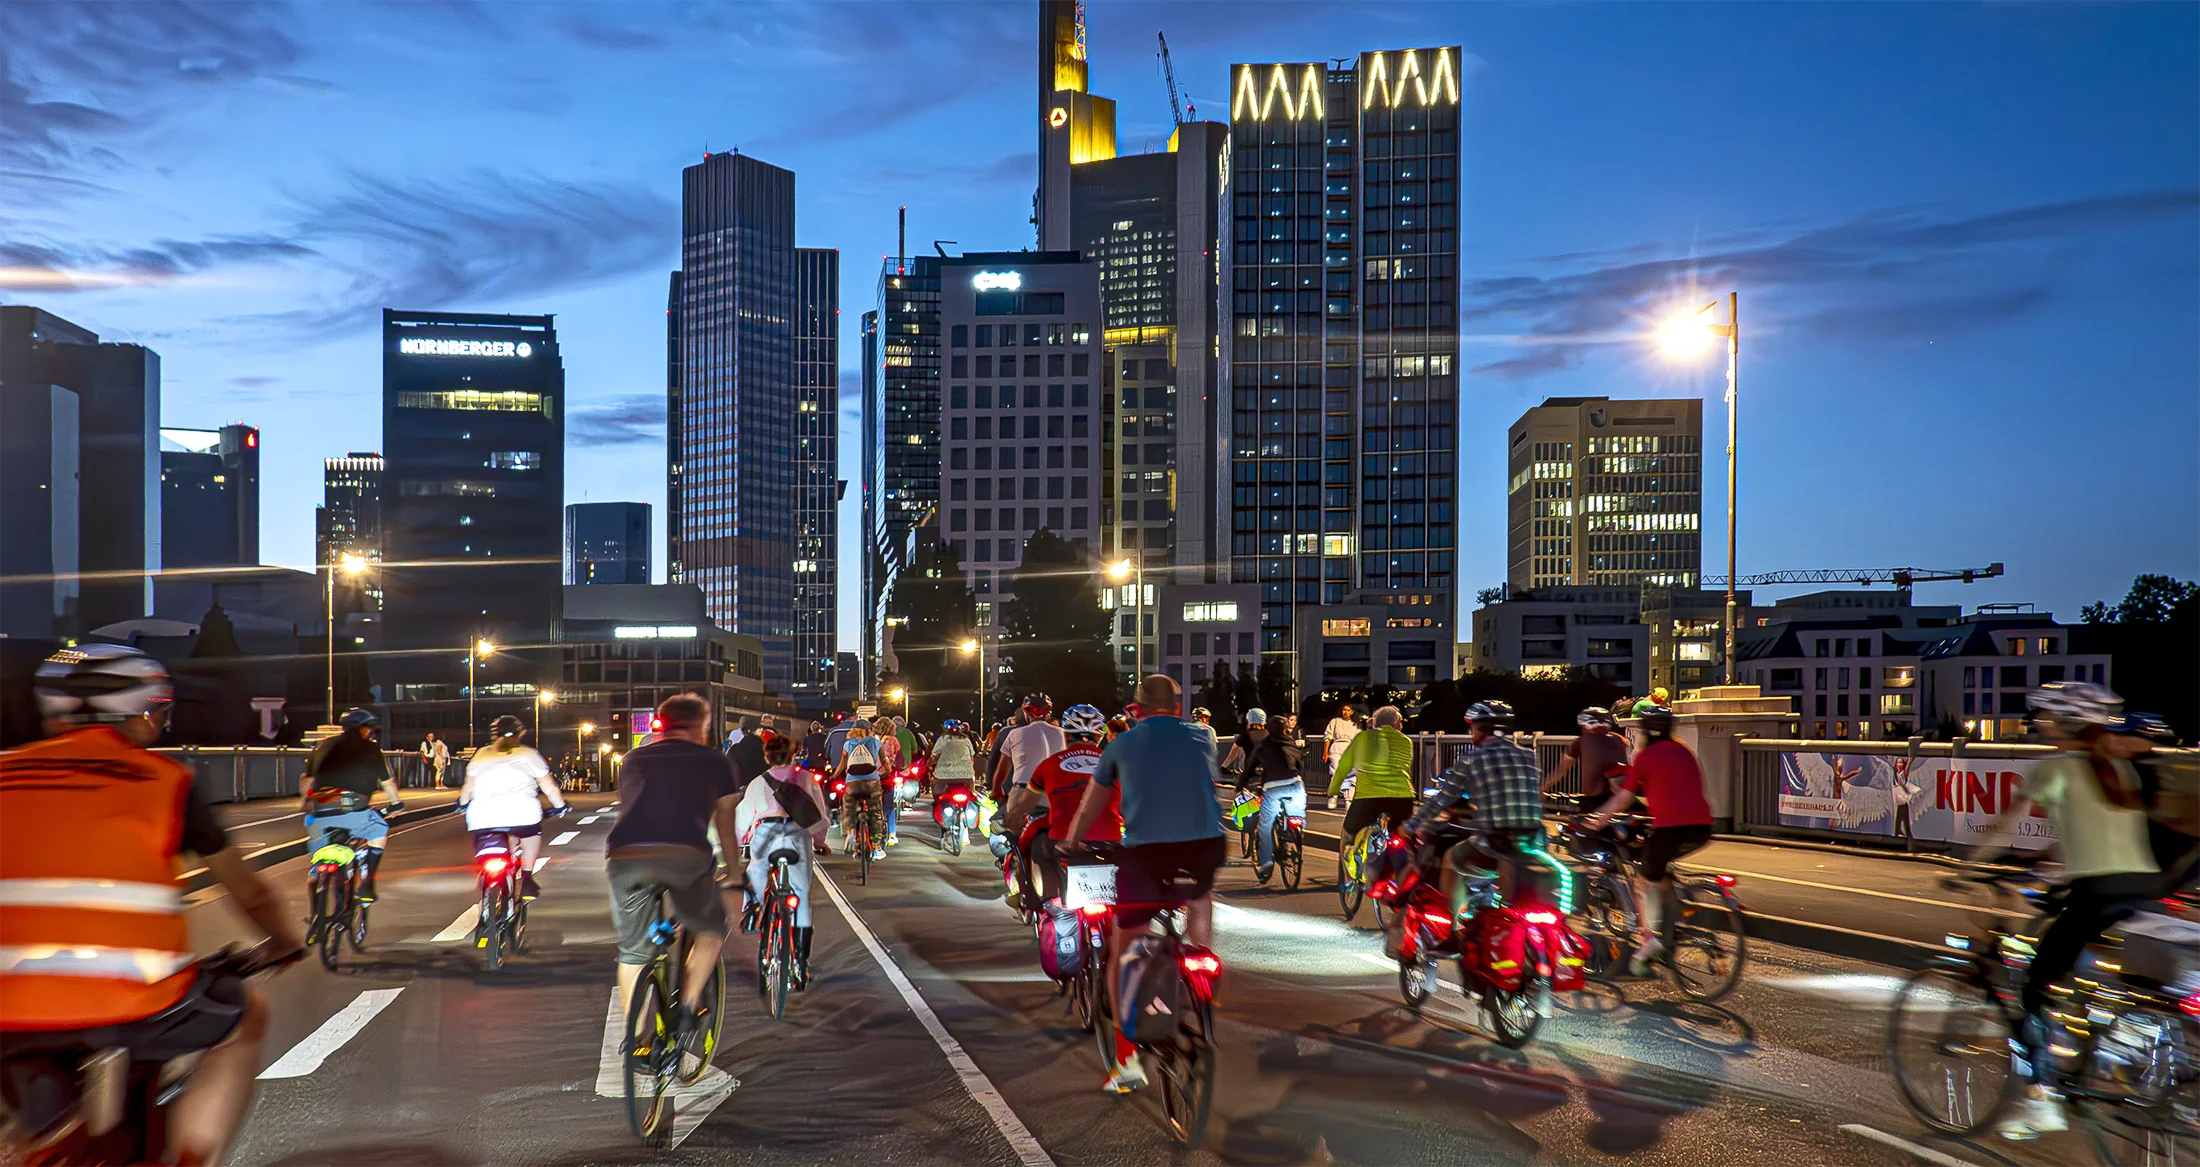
point(1089, 884)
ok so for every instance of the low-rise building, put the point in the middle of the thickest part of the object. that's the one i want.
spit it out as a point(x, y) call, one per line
point(1545, 632)
point(1370, 645)
point(628, 647)
point(1201, 627)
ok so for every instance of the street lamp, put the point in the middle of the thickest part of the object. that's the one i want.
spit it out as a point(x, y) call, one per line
point(349, 564)
point(482, 648)
point(1689, 334)
point(900, 694)
point(974, 645)
point(1119, 571)
point(542, 697)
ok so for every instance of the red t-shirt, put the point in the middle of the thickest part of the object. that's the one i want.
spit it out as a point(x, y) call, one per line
point(1063, 778)
point(1668, 780)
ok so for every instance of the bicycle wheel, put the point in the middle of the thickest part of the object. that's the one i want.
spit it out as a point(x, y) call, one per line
point(1417, 981)
point(702, 1043)
point(317, 919)
point(339, 921)
point(863, 846)
point(1351, 871)
point(648, 1047)
point(1188, 1076)
point(1709, 947)
point(1948, 1046)
point(778, 957)
point(951, 839)
point(359, 928)
point(489, 935)
point(1290, 855)
point(1511, 1013)
point(516, 928)
point(1103, 1014)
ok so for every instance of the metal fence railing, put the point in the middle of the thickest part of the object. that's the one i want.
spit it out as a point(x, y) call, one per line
point(243, 773)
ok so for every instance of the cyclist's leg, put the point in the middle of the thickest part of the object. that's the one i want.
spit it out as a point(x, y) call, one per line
point(633, 903)
point(1201, 859)
point(691, 885)
point(205, 1119)
point(1264, 848)
point(758, 872)
point(1358, 817)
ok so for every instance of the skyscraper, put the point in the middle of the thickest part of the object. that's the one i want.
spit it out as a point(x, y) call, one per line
point(908, 425)
point(1340, 313)
point(607, 543)
point(349, 522)
point(79, 476)
point(473, 414)
point(817, 474)
point(733, 402)
point(210, 497)
point(871, 481)
point(1605, 492)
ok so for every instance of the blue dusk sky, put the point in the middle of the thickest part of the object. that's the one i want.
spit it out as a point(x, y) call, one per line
point(1966, 237)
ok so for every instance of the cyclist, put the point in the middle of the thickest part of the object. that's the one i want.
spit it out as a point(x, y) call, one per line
point(1022, 749)
point(1204, 718)
point(1162, 771)
point(2172, 793)
point(782, 810)
point(1060, 783)
point(861, 757)
point(341, 777)
point(505, 785)
point(1380, 764)
point(1666, 776)
point(953, 765)
point(1272, 769)
point(893, 765)
point(672, 793)
point(2094, 798)
point(98, 956)
point(814, 757)
point(1599, 752)
point(1341, 730)
point(1502, 779)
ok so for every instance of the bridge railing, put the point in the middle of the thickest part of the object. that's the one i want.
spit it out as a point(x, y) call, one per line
point(243, 773)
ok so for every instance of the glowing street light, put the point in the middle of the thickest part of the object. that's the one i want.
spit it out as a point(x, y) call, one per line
point(1691, 334)
point(1125, 569)
point(973, 645)
point(350, 564)
point(482, 648)
point(542, 697)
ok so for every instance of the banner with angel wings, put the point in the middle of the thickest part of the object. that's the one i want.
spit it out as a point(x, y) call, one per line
point(1931, 799)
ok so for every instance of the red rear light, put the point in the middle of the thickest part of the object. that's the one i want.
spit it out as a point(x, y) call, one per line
point(1205, 964)
point(1397, 843)
point(1095, 911)
point(1540, 916)
point(794, 901)
point(1724, 879)
point(958, 796)
point(328, 868)
point(494, 865)
point(1295, 822)
point(1382, 889)
point(2191, 1005)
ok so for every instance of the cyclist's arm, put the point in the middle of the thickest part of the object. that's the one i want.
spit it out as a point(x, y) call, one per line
point(549, 787)
point(729, 833)
point(1621, 799)
point(1565, 767)
point(1020, 802)
point(255, 898)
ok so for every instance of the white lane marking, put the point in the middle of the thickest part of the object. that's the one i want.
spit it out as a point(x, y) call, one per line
point(1941, 1159)
point(590, 938)
point(691, 1104)
point(565, 838)
point(1390, 965)
point(460, 928)
point(307, 1055)
point(263, 822)
point(589, 821)
point(1832, 887)
point(974, 1082)
point(542, 863)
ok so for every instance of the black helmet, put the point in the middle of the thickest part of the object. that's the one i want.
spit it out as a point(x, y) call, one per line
point(507, 726)
point(1040, 702)
point(1594, 715)
point(1490, 712)
point(357, 718)
point(1655, 719)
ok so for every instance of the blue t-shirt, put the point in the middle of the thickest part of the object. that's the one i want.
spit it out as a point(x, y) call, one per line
point(1165, 769)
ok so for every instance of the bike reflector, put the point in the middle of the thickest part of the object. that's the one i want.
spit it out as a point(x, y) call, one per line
point(1297, 824)
point(958, 797)
point(1205, 964)
point(2191, 1005)
point(794, 901)
point(1724, 880)
point(1540, 916)
point(494, 865)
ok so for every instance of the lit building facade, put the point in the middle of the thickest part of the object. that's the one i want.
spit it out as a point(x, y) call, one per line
point(870, 481)
point(904, 492)
point(210, 497)
point(606, 543)
point(817, 475)
point(1603, 492)
point(349, 522)
point(1340, 338)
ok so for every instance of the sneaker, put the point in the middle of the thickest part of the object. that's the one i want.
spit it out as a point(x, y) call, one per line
point(893, 840)
point(878, 853)
point(1262, 873)
point(2031, 1118)
point(528, 888)
point(1640, 964)
point(1127, 1078)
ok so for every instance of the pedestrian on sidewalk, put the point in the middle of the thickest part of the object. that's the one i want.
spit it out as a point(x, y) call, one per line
point(435, 757)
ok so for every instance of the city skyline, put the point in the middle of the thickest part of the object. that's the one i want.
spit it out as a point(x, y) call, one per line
point(1929, 309)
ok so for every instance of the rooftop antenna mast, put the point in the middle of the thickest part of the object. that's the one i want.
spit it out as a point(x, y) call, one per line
point(901, 244)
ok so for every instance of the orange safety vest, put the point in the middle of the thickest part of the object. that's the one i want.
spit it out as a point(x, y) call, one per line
point(92, 930)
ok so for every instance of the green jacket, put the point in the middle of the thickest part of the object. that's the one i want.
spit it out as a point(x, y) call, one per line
point(1383, 758)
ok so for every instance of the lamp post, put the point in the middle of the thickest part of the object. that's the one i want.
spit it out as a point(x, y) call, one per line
point(482, 648)
point(580, 732)
point(900, 694)
point(349, 564)
point(1687, 334)
point(1134, 571)
point(969, 646)
point(542, 697)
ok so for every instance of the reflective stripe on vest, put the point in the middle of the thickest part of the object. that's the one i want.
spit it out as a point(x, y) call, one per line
point(143, 965)
point(105, 895)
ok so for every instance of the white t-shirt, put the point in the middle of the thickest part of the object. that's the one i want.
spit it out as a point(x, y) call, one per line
point(506, 789)
point(1029, 745)
point(1340, 734)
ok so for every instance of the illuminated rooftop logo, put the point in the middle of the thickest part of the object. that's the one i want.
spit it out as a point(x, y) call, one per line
point(997, 281)
point(465, 348)
point(1391, 77)
point(1255, 99)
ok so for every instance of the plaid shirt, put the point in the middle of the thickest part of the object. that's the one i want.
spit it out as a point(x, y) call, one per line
point(1503, 779)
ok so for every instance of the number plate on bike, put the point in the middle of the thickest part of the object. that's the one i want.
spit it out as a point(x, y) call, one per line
point(1089, 884)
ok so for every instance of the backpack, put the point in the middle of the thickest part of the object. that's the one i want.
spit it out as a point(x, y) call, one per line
point(1061, 949)
point(860, 754)
point(1151, 989)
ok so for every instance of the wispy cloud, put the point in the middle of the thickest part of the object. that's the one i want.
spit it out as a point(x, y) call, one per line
point(1954, 274)
point(49, 267)
point(628, 420)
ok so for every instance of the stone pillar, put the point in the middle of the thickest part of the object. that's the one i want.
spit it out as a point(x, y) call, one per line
point(1710, 720)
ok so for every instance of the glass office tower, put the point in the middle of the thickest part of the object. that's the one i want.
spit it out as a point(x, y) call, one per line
point(817, 474)
point(607, 543)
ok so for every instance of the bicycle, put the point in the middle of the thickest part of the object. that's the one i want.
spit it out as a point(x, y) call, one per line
point(1287, 845)
point(2131, 1068)
point(954, 817)
point(333, 877)
point(1706, 945)
point(502, 925)
point(1352, 866)
point(860, 843)
point(775, 971)
point(658, 1055)
point(1245, 815)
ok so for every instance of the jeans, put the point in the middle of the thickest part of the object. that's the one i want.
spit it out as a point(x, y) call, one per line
point(776, 834)
point(1284, 798)
point(366, 826)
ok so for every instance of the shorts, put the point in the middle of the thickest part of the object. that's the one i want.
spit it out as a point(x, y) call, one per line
point(1148, 874)
point(365, 826)
point(684, 875)
point(203, 1019)
point(1665, 844)
point(1364, 811)
point(493, 840)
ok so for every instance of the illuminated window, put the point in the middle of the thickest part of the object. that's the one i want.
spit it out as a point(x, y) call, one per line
point(1211, 611)
point(1336, 545)
point(515, 460)
point(1353, 626)
point(505, 401)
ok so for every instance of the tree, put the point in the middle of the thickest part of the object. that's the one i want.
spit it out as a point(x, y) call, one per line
point(1219, 694)
point(932, 601)
point(1488, 596)
point(2153, 599)
point(1275, 684)
point(217, 635)
point(2150, 638)
point(1056, 631)
point(1248, 691)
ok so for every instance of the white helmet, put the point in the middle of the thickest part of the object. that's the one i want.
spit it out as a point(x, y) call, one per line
point(2074, 705)
point(102, 682)
point(1083, 721)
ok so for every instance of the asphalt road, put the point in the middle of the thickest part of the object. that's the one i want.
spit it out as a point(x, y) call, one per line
point(412, 1054)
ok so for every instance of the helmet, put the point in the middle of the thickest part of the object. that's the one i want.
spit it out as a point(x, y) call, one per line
point(1038, 705)
point(1594, 715)
point(1655, 719)
point(1133, 712)
point(1490, 712)
point(102, 682)
point(1083, 721)
point(2147, 725)
point(1256, 716)
point(2073, 705)
point(1202, 713)
point(356, 718)
point(507, 726)
point(951, 726)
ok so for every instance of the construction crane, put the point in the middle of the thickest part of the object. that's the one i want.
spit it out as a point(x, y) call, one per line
point(1901, 577)
point(1177, 108)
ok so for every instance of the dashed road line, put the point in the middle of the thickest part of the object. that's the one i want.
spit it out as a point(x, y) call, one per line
point(565, 838)
point(307, 1055)
point(460, 928)
point(691, 1104)
point(1938, 1158)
